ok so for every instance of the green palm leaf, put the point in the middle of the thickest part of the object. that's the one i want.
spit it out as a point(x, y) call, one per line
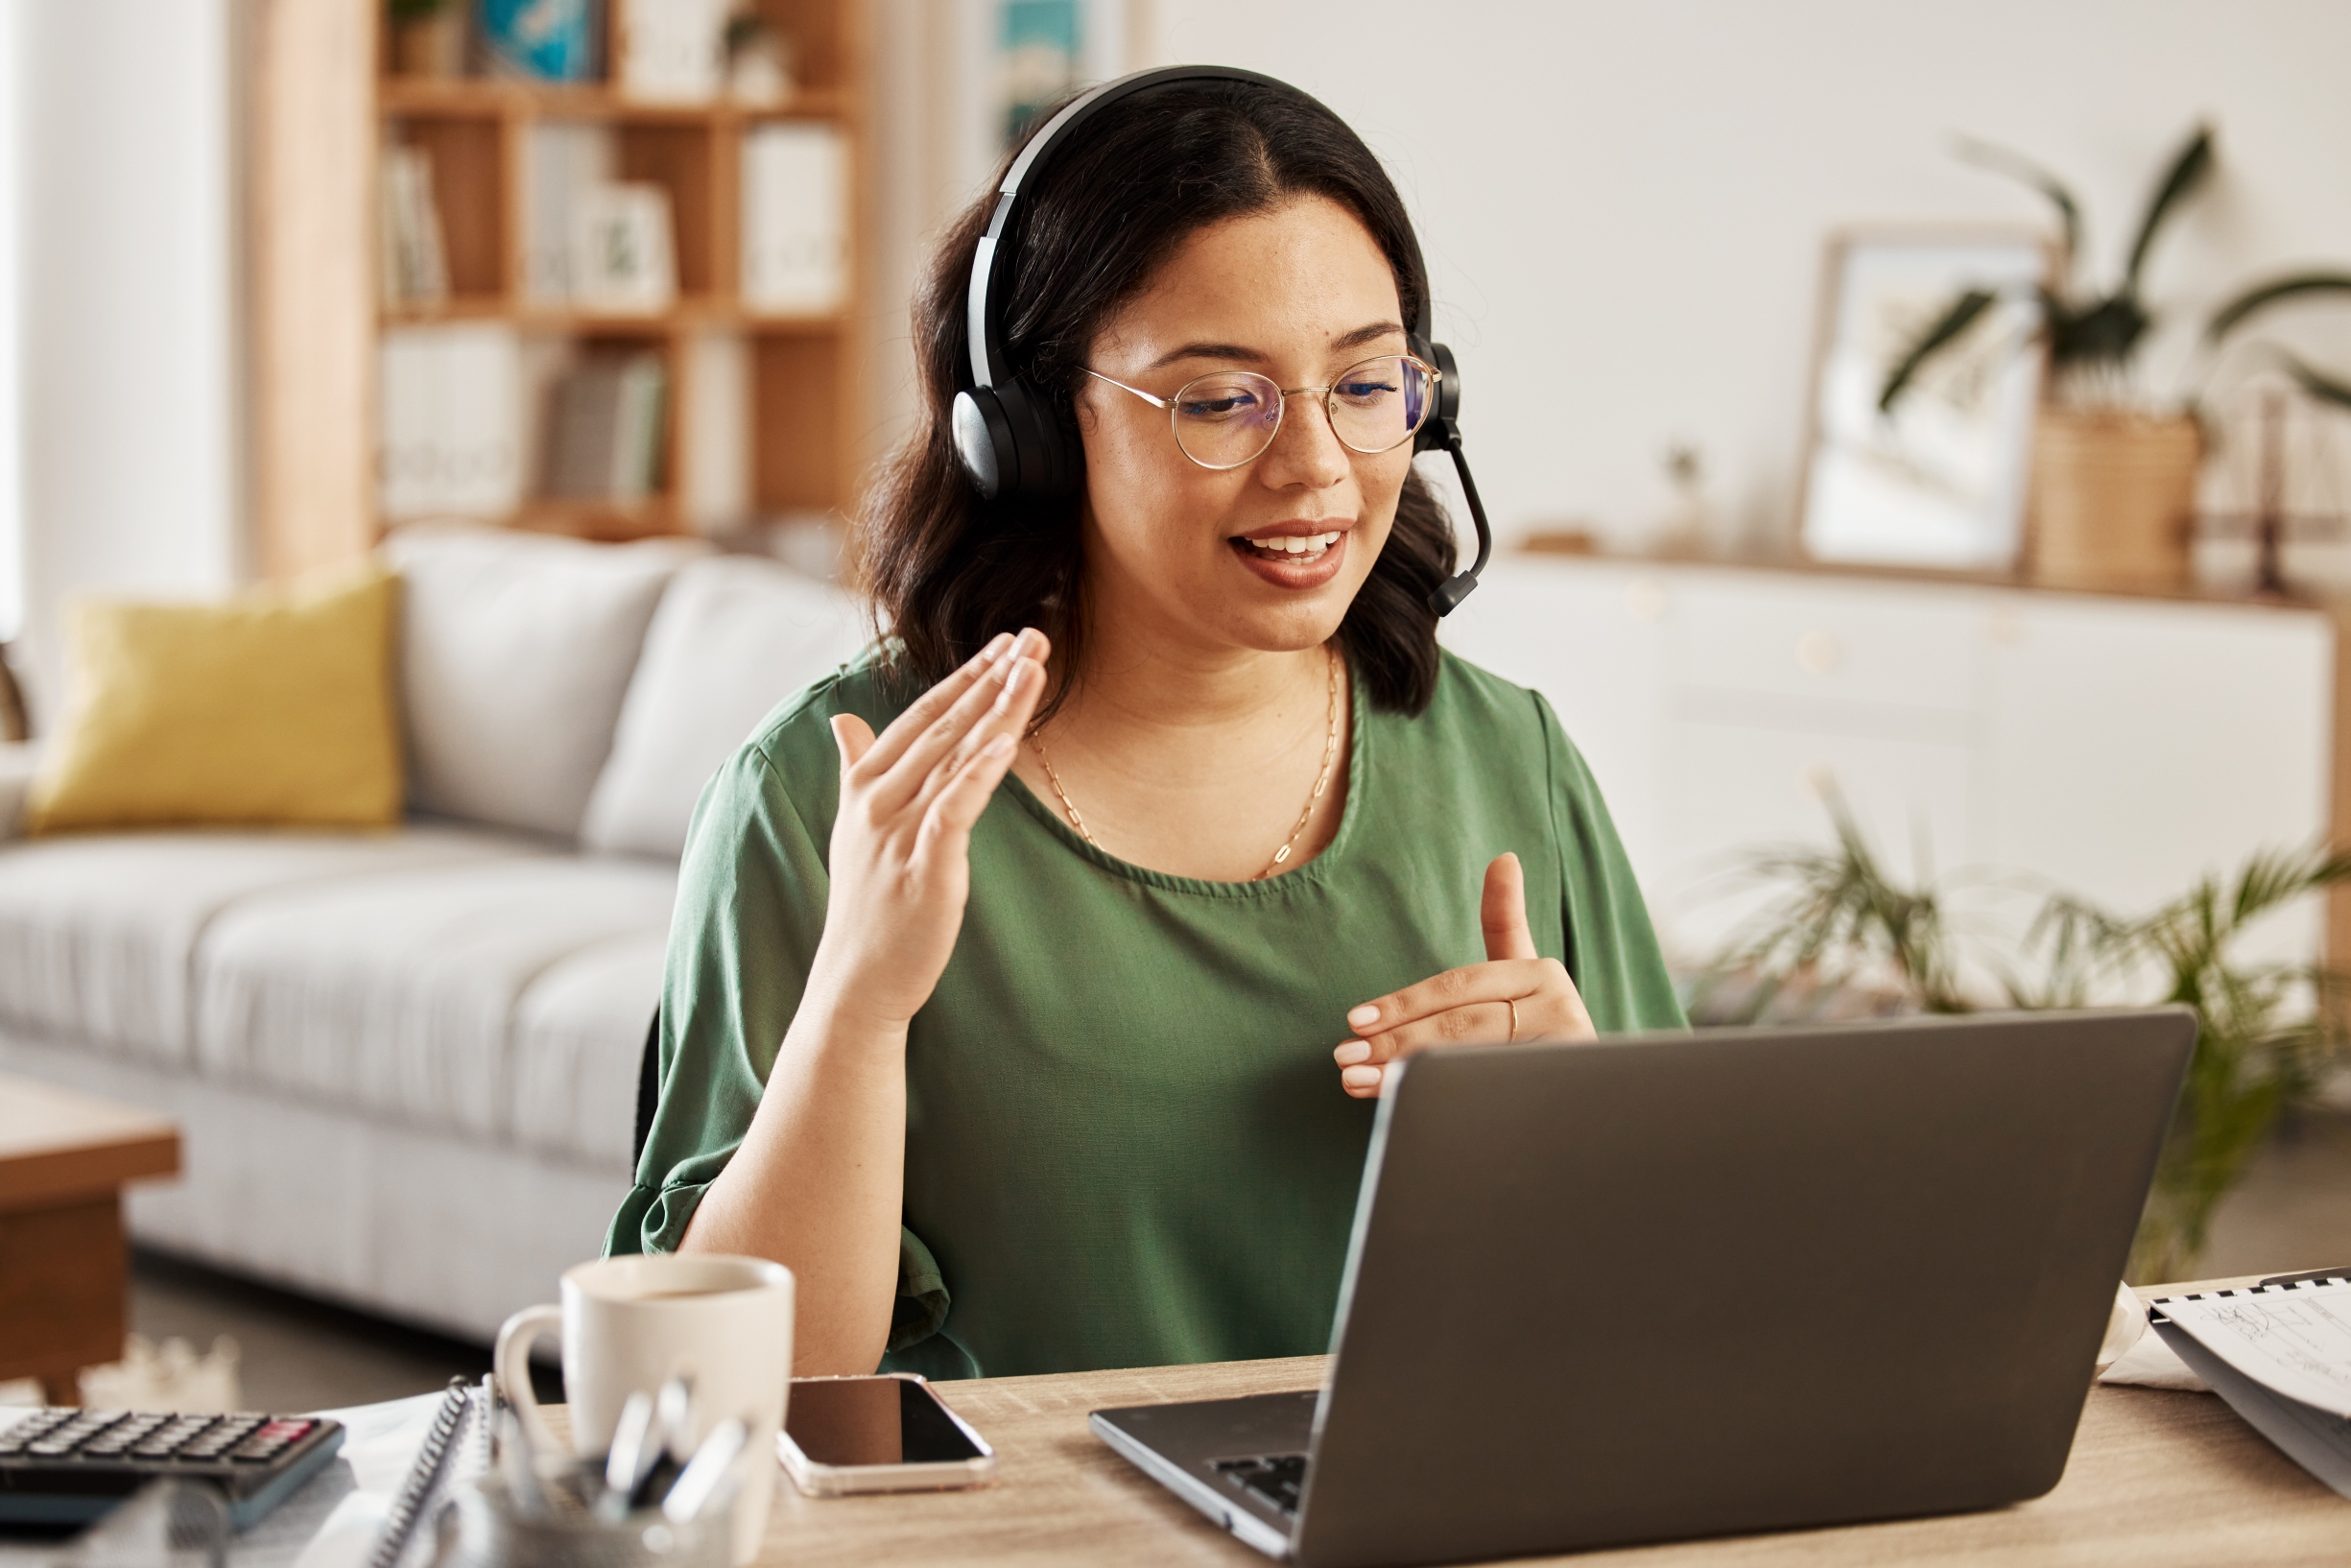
point(2188, 171)
point(2226, 319)
point(2318, 382)
point(1956, 319)
point(2016, 166)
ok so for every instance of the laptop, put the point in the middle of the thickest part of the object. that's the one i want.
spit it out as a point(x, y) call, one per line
point(1702, 1284)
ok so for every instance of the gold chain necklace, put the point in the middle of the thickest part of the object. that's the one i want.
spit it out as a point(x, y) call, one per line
point(1323, 780)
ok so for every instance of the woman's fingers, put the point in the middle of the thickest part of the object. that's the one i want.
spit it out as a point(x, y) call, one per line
point(1502, 912)
point(1552, 1012)
point(932, 707)
point(1016, 699)
point(1495, 982)
point(946, 825)
point(855, 738)
point(1509, 1000)
point(908, 780)
point(1363, 1063)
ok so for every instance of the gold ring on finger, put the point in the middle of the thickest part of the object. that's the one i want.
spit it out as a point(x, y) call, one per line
point(1514, 1006)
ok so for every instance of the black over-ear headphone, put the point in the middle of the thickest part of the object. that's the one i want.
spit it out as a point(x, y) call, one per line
point(1005, 432)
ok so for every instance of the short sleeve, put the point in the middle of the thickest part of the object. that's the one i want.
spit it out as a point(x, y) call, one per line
point(1612, 948)
point(750, 909)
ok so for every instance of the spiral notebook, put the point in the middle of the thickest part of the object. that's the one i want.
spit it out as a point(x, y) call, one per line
point(2280, 1354)
point(459, 1447)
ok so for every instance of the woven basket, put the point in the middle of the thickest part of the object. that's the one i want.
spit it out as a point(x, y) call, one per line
point(2113, 498)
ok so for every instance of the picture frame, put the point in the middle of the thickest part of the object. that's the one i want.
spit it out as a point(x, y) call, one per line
point(624, 256)
point(1939, 481)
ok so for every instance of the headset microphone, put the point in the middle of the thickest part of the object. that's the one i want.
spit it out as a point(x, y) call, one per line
point(1005, 432)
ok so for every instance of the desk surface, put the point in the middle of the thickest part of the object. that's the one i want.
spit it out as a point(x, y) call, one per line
point(2156, 1479)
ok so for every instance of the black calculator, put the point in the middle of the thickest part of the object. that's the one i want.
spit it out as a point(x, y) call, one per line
point(64, 1467)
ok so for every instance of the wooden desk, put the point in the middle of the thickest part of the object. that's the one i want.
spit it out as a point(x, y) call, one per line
point(64, 1272)
point(2156, 1479)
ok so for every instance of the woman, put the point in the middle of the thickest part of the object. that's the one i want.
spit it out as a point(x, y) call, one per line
point(1033, 977)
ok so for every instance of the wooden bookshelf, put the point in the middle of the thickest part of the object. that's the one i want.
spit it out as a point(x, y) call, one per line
point(319, 324)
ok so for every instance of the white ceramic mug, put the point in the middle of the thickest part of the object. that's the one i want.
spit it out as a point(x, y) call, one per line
point(630, 1324)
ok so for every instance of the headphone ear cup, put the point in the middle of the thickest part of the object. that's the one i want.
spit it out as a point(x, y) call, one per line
point(1048, 468)
point(1011, 446)
point(984, 439)
point(1438, 426)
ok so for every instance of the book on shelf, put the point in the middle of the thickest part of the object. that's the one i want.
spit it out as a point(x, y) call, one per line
point(414, 265)
point(622, 256)
point(540, 41)
point(562, 159)
point(604, 428)
point(450, 442)
point(795, 219)
point(671, 50)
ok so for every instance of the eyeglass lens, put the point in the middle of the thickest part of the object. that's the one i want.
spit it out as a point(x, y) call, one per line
point(1225, 418)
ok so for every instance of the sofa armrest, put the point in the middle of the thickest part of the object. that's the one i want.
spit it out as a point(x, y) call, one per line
point(20, 761)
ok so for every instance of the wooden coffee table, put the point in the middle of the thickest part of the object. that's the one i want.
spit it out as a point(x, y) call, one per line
point(64, 1266)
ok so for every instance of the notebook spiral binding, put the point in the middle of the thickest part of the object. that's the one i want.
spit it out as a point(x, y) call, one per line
point(432, 1459)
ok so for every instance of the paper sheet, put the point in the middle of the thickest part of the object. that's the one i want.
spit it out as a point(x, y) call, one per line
point(2293, 1340)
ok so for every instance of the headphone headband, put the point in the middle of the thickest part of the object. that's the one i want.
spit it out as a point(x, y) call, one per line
point(982, 304)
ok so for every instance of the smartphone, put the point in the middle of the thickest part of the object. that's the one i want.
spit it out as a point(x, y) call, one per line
point(885, 1434)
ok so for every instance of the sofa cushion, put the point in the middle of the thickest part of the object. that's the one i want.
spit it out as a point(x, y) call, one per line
point(395, 995)
point(97, 932)
point(272, 706)
point(579, 1036)
point(516, 650)
point(734, 637)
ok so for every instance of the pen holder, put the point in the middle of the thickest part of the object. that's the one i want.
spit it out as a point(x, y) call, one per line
point(485, 1528)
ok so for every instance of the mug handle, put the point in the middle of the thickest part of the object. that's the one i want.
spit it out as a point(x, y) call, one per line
point(511, 1361)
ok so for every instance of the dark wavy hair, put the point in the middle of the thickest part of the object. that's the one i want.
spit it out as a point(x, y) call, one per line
point(942, 569)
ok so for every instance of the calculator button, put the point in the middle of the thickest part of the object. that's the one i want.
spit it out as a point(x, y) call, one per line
point(161, 1444)
point(17, 1437)
point(270, 1442)
point(65, 1439)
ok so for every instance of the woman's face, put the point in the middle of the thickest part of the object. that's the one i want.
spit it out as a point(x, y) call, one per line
point(1297, 294)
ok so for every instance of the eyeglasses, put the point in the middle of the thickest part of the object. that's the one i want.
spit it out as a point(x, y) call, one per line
point(1227, 418)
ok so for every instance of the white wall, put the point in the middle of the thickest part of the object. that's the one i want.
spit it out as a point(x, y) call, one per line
point(127, 375)
point(1623, 203)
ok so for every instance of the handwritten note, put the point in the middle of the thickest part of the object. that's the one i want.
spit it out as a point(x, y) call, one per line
point(2294, 1340)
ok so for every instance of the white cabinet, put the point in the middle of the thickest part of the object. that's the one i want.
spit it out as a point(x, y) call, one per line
point(2116, 747)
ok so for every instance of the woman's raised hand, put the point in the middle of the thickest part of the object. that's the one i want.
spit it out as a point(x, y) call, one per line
point(1475, 1005)
point(901, 867)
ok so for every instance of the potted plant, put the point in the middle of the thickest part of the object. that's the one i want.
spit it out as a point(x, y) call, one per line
point(1842, 937)
point(2113, 489)
point(2113, 486)
point(428, 37)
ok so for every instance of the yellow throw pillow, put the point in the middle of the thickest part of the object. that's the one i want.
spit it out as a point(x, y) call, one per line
point(274, 708)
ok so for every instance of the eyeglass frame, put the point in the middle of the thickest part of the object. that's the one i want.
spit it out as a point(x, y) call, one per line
point(1428, 407)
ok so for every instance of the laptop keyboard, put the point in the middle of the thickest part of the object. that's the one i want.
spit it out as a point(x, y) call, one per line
point(1278, 1478)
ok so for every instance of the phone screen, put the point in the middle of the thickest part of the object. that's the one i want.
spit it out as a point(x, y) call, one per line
point(846, 1422)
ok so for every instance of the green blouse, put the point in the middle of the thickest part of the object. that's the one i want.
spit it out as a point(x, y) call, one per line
point(1125, 1140)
